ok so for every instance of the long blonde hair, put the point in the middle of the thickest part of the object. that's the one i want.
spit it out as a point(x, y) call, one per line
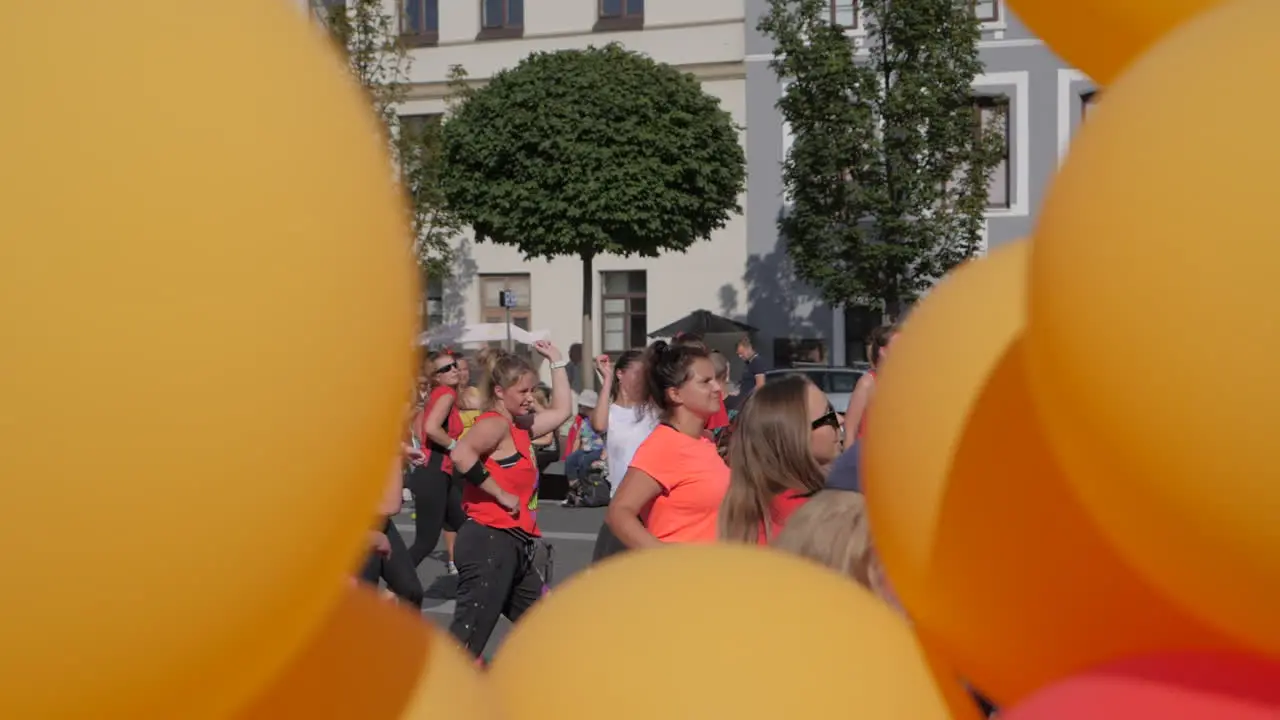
point(769, 454)
point(831, 529)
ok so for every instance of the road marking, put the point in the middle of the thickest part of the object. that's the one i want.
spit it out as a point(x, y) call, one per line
point(571, 536)
point(444, 608)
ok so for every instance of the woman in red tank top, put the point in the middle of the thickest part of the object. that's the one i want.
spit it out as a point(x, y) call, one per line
point(860, 400)
point(501, 561)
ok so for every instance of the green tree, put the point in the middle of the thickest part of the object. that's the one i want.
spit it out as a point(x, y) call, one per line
point(889, 165)
point(370, 39)
point(590, 152)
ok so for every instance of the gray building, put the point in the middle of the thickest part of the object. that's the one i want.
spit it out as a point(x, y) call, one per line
point(1047, 100)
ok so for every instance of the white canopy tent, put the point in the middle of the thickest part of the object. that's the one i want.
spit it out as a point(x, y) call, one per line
point(479, 334)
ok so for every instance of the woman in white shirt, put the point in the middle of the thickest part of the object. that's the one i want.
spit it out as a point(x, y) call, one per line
point(625, 421)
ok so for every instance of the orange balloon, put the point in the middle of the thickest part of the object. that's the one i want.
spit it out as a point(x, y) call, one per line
point(999, 567)
point(374, 660)
point(1101, 37)
point(1153, 334)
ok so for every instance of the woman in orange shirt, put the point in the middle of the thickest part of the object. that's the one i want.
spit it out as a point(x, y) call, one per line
point(786, 435)
point(672, 491)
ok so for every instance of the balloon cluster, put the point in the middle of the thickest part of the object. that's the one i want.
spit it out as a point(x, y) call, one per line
point(205, 304)
point(1069, 477)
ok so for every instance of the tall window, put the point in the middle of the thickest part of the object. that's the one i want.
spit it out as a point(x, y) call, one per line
point(624, 311)
point(844, 13)
point(501, 18)
point(491, 286)
point(987, 11)
point(433, 303)
point(1086, 104)
point(993, 114)
point(619, 15)
point(420, 22)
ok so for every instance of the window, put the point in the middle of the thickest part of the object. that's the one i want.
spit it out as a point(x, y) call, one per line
point(624, 307)
point(619, 15)
point(433, 302)
point(1086, 104)
point(420, 22)
point(794, 352)
point(987, 11)
point(501, 19)
point(491, 310)
point(993, 114)
point(845, 13)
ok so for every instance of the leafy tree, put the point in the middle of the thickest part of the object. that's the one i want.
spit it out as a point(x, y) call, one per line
point(370, 39)
point(889, 166)
point(590, 152)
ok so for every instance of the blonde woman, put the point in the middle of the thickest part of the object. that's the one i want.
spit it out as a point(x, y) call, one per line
point(831, 529)
point(784, 436)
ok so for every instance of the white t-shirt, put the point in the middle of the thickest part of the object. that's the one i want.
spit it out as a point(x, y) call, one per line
point(628, 427)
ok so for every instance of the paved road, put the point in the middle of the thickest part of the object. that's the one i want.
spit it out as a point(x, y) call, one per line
point(571, 531)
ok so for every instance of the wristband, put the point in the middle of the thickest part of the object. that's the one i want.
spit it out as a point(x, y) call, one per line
point(476, 475)
point(559, 364)
point(453, 444)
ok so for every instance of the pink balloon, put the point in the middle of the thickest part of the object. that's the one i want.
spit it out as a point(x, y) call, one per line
point(1180, 686)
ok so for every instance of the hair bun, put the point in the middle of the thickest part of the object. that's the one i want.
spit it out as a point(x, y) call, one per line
point(660, 347)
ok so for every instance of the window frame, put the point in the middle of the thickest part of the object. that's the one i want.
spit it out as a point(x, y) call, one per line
point(491, 312)
point(1004, 102)
point(857, 16)
point(506, 30)
point(1087, 100)
point(627, 314)
point(625, 20)
point(432, 292)
point(996, 16)
point(419, 37)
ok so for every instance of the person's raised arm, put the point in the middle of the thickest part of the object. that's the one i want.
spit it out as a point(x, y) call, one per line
point(561, 400)
point(433, 423)
point(600, 415)
point(637, 490)
point(469, 455)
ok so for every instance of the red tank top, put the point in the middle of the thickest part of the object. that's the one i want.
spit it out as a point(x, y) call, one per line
point(862, 422)
point(517, 475)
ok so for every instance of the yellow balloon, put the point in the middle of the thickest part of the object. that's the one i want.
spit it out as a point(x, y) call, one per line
point(1000, 568)
point(206, 309)
point(1102, 37)
point(714, 631)
point(1154, 326)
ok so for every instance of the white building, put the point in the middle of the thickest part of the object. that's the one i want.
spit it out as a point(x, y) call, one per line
point(631, 296)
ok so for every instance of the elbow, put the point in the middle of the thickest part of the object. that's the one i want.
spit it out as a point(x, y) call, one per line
point(599, 425)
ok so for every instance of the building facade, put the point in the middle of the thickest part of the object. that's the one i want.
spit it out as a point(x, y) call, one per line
point(632, 296)
point(741, 272)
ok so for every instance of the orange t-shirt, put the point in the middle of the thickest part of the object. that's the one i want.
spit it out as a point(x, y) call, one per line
point(694, 480)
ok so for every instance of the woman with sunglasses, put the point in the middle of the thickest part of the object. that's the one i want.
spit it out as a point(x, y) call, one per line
point(785, 436)
point(437, 505)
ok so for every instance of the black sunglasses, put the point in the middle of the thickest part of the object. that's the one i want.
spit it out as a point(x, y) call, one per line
point(830, 418)
point(446, 368)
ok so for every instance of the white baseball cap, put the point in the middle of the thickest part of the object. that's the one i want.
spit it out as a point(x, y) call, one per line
point(588, 398)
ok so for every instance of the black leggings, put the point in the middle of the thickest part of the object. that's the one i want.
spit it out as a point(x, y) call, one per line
point(500, 572)
point(396, 569)
point(437, 501)
point(607, 544)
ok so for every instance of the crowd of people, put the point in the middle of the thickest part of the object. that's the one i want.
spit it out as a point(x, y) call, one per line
point(681, 468)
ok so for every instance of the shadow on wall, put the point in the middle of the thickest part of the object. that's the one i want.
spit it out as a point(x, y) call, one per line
point(459, 284)
point(791, 318)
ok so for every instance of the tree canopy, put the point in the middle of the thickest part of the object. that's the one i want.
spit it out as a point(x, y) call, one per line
point(587, 152)
point(888, 170)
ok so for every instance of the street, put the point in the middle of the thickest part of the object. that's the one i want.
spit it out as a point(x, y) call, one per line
point(570, 531)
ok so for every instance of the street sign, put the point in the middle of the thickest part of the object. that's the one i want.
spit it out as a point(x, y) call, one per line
point(507, 299)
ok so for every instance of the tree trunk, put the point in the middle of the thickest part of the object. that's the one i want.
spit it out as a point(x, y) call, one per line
point(587, 368)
